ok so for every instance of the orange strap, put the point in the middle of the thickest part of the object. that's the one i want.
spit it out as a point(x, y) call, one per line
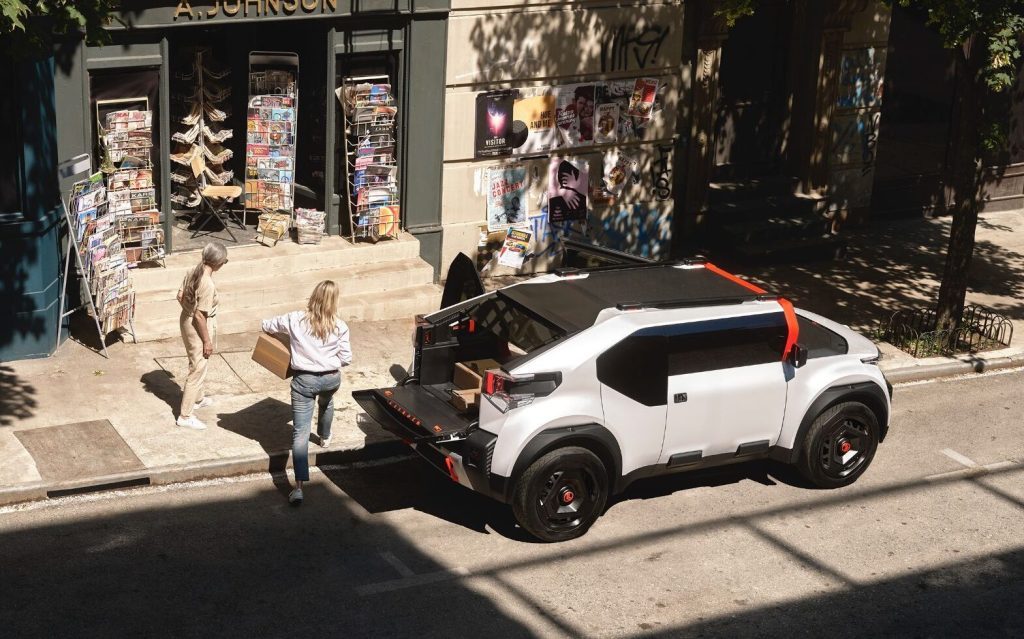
point(729, 276)
point(791, 323)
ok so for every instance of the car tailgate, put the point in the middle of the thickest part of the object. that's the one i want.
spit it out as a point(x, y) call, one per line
point(412, 413)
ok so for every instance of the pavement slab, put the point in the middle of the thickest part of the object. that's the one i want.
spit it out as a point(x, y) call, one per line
point(77, 451)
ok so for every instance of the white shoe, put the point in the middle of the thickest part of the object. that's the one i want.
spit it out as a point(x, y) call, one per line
point(191, 422)
point(295, 498)
point(325, 442)
point(203, 403)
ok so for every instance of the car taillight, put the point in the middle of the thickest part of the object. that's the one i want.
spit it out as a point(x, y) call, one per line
point(506, 392)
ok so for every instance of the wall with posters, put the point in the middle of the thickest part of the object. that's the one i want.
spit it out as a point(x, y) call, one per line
point(560, 116)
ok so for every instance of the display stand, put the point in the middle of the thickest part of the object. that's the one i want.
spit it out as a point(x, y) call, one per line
point(127, 142)
point(100, 262)
point(370, 114)
point(271, 128)
point(202, 134)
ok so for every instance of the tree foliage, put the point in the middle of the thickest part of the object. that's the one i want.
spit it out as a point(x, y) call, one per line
point(28, 27)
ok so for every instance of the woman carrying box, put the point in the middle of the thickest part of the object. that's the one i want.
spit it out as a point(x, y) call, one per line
point(319, 345)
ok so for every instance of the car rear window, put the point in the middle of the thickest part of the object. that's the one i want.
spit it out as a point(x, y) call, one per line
point(514, 324)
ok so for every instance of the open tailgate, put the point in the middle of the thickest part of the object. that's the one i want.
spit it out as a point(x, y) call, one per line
point(412, 413)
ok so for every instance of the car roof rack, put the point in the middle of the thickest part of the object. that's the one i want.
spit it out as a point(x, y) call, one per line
point(693, 303)
point(572, 270)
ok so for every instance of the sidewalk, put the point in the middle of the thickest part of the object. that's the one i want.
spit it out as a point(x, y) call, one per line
point(77, 421)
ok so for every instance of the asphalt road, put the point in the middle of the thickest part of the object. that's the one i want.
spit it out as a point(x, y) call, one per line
point(930, 543)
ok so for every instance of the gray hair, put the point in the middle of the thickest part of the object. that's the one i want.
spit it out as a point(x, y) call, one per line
point(215, 254)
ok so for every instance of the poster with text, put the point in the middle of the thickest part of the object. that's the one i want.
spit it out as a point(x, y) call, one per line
point(568, 186)
point(513, 251)
point(641, 103)
point(507, 198)
point(618, 169)
point(575, 114)
point(494, 123)
point(533, 125)
point(606, 123)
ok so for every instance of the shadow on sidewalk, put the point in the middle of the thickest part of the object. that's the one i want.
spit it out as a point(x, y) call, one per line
point(161, 384)
point(267, 422)
point(17, 399)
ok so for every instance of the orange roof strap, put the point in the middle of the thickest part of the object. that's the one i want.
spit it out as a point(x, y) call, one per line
point(791, 323)
point(729, 276)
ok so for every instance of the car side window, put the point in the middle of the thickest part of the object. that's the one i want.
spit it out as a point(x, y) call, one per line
point(818, 340)
point(637, 367)
point(730, 343)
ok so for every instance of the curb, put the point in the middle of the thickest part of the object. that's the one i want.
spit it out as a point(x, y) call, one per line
point(952, 368)
point(276, 462)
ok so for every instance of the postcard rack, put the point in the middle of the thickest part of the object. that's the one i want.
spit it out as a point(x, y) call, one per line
point(373, 198)
point(100, 259)
point(271, 129)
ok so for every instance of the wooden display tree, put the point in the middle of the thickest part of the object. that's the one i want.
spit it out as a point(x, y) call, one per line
point(203, 133)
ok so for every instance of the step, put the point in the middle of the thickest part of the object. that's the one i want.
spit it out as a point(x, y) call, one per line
point(285, 258)
point(390, 305)
point(752, 188)
point(822, 245)
point(259, 291)
point(775, 229)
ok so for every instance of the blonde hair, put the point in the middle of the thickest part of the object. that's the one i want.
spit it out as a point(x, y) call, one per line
point(322, 309)
point(214, 254)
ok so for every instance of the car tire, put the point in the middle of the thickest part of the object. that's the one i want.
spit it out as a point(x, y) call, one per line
point(839, 446)
point(561, 494)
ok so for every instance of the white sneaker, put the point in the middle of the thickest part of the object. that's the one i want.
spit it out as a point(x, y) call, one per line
point(203, 403)
point(295, 497)
point(191, 422)
point(325, 442)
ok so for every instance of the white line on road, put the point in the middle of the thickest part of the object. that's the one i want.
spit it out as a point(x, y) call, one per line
point(957, 457)
point(974, 470)
point(397, 564)
point(411, 582)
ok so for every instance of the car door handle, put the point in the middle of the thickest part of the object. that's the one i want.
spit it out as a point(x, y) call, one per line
point(679, 398)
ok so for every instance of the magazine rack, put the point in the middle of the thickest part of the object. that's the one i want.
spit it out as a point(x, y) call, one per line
point(370, 115)
point(99, 257)
point(271, 129)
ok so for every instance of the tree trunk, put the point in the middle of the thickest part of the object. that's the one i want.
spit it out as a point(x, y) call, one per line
point(966, 179)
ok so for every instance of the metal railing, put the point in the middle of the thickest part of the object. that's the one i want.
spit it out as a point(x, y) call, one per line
point(914, 332)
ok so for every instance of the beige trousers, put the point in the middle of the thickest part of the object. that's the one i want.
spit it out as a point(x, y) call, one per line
point(197, 364)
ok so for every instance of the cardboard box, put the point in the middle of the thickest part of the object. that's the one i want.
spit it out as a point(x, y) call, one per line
point(469, 375)
point(274, 354)
point(464, 400)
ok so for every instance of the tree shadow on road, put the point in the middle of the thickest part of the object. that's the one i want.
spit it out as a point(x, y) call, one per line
point(17, 397)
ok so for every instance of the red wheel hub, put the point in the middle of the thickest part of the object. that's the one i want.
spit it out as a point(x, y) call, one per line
point(845, 447)
point(568, 496)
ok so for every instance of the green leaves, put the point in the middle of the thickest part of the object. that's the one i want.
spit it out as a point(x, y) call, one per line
point(13, 12)
point(29, 27)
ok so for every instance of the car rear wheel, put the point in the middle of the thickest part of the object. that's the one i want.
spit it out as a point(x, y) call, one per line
point(839, 445)
point(561, 494)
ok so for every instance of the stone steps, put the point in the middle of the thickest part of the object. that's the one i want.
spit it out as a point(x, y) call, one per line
point(384, 281)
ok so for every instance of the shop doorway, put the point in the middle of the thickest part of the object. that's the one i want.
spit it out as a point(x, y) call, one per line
point(225, 87)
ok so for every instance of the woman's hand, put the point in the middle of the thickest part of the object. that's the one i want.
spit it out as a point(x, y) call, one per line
point(207, 349)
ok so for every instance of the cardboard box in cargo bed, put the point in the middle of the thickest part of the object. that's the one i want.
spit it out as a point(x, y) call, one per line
point(467, 378)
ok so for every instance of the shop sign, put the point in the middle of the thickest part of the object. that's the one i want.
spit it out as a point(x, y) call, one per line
point(252, 8)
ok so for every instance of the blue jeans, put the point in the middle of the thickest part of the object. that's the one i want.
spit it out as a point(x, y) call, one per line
point(307, 390)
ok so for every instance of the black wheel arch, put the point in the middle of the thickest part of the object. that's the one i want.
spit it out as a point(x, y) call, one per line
point(868, 393)
point(594, 437)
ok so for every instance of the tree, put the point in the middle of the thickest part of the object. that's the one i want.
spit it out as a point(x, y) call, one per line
point(28, 27)
point(985, 37)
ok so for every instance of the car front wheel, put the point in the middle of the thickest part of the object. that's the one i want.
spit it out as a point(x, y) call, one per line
point(561, 494)
point(839, 445)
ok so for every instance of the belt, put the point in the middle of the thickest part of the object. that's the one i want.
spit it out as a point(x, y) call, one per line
point(317, 373)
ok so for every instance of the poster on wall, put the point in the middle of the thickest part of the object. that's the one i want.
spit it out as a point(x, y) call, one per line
point(575, 114)
point(618, 168)
point(533, 125)
point(507, 198)
point(641, 103)
point(568, 186)
point(606, 123)
point(494, 123)
point(513, 251)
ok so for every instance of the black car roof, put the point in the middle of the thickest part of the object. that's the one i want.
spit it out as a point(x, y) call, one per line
point(573, 303)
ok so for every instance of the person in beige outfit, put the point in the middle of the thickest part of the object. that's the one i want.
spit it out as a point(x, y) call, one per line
point(198, 299)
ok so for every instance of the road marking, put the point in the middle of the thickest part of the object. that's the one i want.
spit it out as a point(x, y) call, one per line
point(974, 470)
point(397, 564)
point(957, 457)
point(411, 582)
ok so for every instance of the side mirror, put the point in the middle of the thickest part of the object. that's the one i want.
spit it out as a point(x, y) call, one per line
point(798, 355)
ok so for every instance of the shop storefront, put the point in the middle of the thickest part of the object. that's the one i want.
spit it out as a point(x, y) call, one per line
point(196, 71)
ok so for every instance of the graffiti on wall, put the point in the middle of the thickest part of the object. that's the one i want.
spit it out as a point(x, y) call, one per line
point(855, 137)
point(661, 173)
point(636, 229)
point(632, 47)
point(861, 73)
